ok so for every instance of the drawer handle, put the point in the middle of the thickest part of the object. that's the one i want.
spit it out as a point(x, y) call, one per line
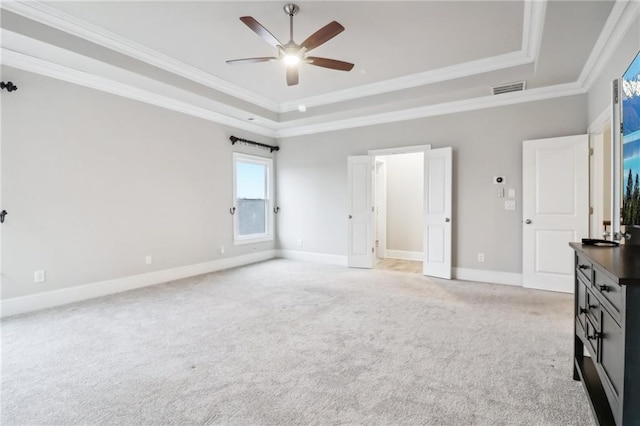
point(593, 307)
point(584, 310)
point(604, 288)
point(583, 267)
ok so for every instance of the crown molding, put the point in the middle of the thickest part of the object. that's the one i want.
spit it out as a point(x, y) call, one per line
point(52, 17)
point(550, 92)
point(30, 47)
point(533, 22)
point(532, 27)
point(271, 128)
point(622, 16)
point(466, 69)
point(82, 78)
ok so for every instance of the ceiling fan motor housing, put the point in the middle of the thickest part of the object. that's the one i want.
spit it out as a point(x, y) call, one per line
point(291, 9)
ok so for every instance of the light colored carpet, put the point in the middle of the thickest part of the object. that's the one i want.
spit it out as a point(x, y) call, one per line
point(285, 342)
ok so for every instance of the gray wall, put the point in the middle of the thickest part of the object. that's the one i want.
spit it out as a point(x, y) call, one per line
point(405, 201)
point(93, 183)
point(312, 176)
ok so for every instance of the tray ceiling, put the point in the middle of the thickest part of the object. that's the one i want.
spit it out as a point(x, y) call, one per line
point(406, 54)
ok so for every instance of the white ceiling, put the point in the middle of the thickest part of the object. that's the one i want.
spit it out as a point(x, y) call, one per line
point(384, 39)
point(406, 54)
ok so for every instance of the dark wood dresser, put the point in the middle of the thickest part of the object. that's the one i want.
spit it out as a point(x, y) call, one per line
point(607, 324)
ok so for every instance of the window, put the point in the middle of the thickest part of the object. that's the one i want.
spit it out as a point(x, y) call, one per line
point(252, 189)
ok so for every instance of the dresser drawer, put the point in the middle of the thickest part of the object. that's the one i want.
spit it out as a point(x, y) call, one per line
point(581, 300)
point(584, 267)
point(593, 309)
point(610, 292)
point(611, 358)
point(592, 336)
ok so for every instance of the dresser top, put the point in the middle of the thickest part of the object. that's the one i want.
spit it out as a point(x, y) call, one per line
point(622, 264)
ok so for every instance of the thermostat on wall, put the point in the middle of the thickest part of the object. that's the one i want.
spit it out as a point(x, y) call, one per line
point(499, 180)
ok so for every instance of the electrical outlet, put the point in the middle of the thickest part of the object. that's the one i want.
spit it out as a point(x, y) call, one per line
point(148, 260)
point(481, 257)
point(39, 277)
point(510, 205)
point(221, 249)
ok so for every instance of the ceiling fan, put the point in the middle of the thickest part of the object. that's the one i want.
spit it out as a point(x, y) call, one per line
point(292, 53)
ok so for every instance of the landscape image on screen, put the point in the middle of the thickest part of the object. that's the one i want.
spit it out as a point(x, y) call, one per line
point(631, 144)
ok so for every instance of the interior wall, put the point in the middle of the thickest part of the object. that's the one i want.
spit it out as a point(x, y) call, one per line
point(600, 91)
point(94, 183)
point(405, 201)
point(312, 176)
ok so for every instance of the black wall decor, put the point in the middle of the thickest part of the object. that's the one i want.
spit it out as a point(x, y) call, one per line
point(235, 140)
point(9, 86)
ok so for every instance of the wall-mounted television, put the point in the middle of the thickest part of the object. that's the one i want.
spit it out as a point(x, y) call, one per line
point(630, 185)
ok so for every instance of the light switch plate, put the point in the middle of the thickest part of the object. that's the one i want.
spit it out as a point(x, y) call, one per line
point(512, 193)
point(510, 205)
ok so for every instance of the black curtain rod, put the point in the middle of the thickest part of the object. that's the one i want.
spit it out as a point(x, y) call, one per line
point(235, 140)
point(9, 86)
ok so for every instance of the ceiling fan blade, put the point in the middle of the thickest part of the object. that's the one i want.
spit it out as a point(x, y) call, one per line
point(322, 36)
point(292, 76)
point(257, 28)
point(252, 60)
point(330, 63)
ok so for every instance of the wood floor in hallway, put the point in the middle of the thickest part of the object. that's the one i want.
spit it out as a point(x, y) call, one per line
point(400, 265)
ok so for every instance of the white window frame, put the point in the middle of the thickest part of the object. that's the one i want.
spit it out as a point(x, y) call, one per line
point(268, 235)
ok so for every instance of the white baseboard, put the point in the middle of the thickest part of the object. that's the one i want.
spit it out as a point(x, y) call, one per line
point(484, 276)
point(327, 259)
point(34, 302)
point(404, 255)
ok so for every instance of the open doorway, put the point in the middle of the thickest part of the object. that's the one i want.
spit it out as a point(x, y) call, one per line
point(399, 211)
point(600, 181)
point(436, 211)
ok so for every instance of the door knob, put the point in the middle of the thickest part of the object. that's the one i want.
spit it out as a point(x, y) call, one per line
point(528, 221)
point(350, 216)
point(446, 219)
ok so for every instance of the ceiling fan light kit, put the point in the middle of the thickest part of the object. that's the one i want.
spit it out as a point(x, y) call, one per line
point(291, 53)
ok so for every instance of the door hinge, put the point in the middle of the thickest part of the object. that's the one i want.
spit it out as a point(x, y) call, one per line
point(373, 209)
point(621, 127)
point(590, 210)
point(590, 151)
point(372, 250)
point(615, 91)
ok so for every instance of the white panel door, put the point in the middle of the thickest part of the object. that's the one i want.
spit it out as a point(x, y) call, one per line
point(360, 179)
point(437, 212)
point(555, 209)
point(380, 237)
